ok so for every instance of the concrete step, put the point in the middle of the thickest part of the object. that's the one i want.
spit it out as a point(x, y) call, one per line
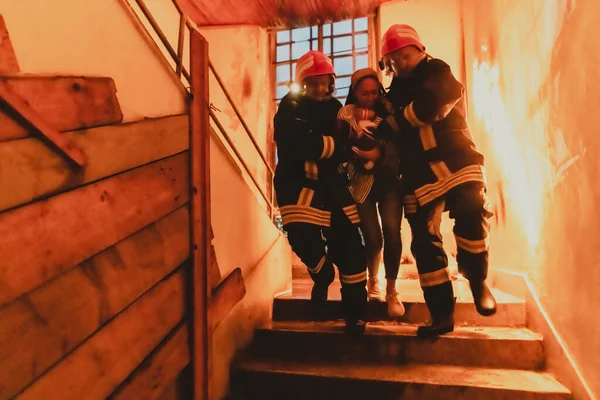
point(407, 270)
point(270, 379)
point(287, 308)
point(296, 306)
point(392, 343)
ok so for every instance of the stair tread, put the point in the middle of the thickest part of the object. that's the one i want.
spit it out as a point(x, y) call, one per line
point(409, 289)
point(442, 375)
point(402, 329)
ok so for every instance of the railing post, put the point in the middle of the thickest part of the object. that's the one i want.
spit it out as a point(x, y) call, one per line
point(180, 40)
point(200, 214)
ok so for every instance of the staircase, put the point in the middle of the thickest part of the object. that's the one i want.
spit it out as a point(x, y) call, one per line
point(484, 358)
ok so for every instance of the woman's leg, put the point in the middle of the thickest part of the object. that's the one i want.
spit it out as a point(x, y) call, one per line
point(390, 208)
point(371, 231)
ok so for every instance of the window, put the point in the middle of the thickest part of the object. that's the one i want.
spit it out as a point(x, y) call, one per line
point(345, 42)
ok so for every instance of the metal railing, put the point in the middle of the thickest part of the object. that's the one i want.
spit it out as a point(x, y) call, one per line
point(182, 73)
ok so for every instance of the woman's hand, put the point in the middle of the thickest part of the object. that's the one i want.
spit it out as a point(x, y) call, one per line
point(371, 155)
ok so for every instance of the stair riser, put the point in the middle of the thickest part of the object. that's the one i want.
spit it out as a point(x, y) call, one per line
point(508, 314)
point(397, 349)
point(268, 385)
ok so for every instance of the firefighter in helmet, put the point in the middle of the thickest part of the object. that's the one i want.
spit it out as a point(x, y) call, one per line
point(317, 209)
point(442, 171)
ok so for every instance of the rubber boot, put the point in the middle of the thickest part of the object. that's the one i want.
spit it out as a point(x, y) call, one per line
point(485, 303)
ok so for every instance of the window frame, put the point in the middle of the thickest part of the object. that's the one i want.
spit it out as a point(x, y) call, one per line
point(370, 51)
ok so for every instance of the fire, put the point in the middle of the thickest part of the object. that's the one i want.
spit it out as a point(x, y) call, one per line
point(519, 148)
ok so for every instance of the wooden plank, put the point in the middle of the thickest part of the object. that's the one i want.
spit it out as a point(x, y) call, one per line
point(30, 170)
point(159, 370)
point(8, 58)
point(200, 213)
point(42, 327)
point(180, 388)
point(65, 102)
point(96, 368)
point(47, 238)
point(34, 120)
point(214, 273)
point(227, 294)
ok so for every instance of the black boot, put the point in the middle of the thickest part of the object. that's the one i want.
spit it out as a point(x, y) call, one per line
point(484, 299)
point(441, 304)
point(318, 302)
point(354, 304)
point(438, 327)
point(355, 327)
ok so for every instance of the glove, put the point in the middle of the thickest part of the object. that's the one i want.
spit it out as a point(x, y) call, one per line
point(364, 138)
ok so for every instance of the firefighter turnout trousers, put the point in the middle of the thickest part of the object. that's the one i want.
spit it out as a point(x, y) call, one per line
point(319, 247)
point(468, 206)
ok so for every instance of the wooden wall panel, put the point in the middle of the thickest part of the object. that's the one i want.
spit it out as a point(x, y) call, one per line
point(42, 327)
point(225, 296)
point(180, 388)
point(29, 169)
point(160, 370)
point(50, 237)
point(64, 102)
point(96, 368)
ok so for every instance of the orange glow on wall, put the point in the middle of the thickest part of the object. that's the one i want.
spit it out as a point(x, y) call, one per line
point(533, 102)
point(529, 156)
point(525, 168)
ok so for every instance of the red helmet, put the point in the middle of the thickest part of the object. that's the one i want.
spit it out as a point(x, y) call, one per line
point(313, 63)
point(399, 36)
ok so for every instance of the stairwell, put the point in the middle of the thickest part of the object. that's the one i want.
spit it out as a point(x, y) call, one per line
point(496, 357)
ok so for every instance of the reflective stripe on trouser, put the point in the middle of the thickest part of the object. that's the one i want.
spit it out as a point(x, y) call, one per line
point(348, 254)
point(307, 242)
point(432, 262)
point(468, 207)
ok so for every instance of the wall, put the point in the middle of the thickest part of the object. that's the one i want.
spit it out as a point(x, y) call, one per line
point(438, 22)
point(245, 238)
point(533, 79)
point(241, 57)
point(94, 39)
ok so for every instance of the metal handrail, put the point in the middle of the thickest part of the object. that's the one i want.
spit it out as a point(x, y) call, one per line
point(177, 57)
point(239, 156)
point(178, 61)
point(237, 113)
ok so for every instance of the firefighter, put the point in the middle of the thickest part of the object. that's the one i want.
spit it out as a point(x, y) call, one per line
point(375, 183)
point(317, 209)
point(442, 171)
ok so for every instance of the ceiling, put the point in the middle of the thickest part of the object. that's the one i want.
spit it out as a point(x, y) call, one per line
point(275, 13)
